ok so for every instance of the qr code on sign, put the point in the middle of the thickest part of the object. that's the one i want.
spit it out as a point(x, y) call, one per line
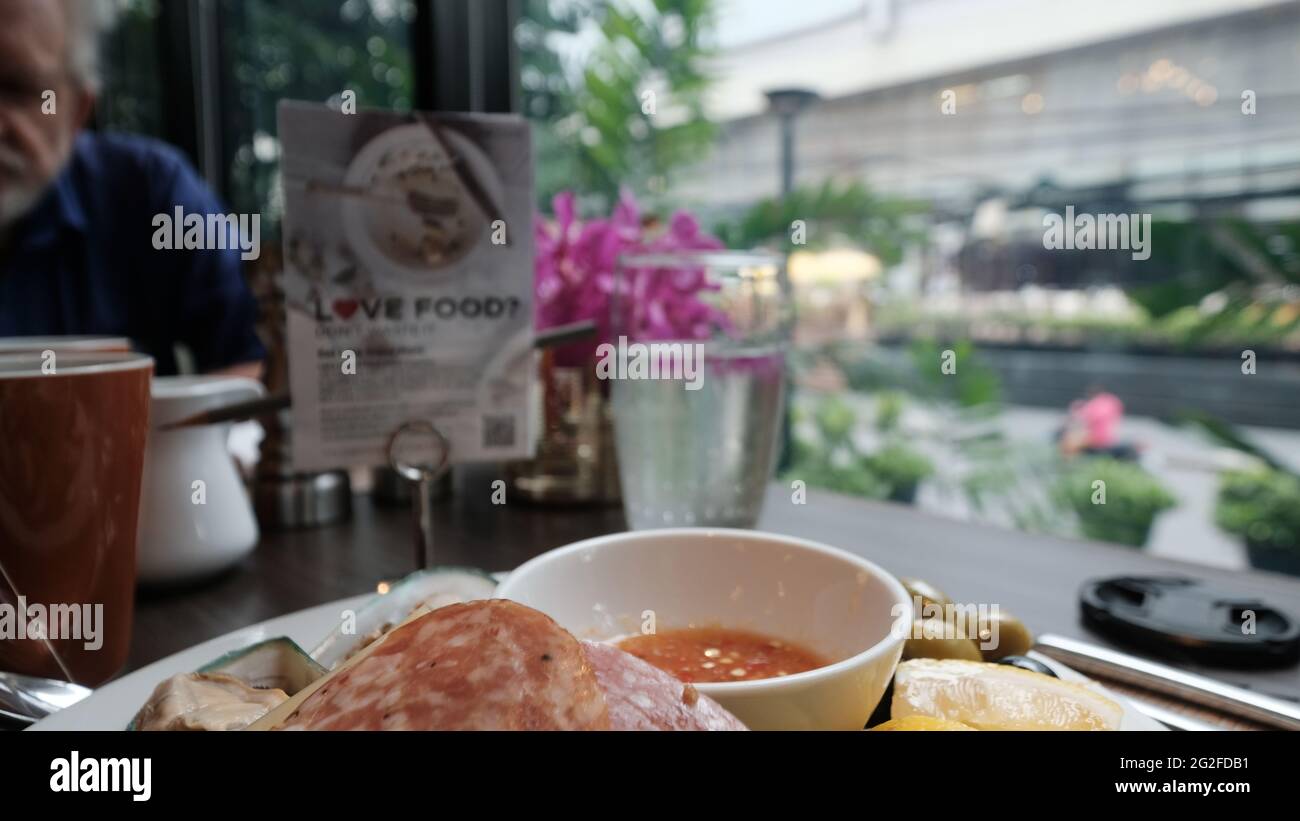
point(498, 431)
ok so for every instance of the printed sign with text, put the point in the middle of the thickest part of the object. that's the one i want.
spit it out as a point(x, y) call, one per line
point(408, 281)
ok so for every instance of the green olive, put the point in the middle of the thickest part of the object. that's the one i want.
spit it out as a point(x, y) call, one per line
point(926, 592)
point(1001, 634)
point(939, 639)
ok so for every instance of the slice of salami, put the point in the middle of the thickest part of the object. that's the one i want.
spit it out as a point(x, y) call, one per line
point(483, 665)
point(640, 696)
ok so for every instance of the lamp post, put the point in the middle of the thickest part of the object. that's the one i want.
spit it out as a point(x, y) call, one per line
point(787, 104)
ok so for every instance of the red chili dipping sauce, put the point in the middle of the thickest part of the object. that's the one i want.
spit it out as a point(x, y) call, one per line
point(715, 654)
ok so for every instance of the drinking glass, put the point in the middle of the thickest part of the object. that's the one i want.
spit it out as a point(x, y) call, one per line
point(697, 437)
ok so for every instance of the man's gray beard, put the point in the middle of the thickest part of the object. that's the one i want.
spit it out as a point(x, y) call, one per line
point(16, 203)
point(18, 199)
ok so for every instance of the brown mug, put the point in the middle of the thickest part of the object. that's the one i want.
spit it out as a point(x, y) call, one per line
point(72, 438)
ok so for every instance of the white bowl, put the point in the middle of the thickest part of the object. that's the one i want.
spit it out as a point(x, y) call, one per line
point(827, 600)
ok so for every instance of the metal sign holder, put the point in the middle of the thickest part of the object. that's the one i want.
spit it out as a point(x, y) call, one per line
point(423, 477)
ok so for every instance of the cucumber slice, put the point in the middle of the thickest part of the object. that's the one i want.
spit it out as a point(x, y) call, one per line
point(422, 590)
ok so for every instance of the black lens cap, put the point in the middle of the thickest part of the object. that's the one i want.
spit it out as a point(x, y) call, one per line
point(1192, 620)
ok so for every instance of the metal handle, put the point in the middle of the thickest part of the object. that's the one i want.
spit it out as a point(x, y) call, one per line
point(1102, 661)
point(423, 476)
point(27, 699)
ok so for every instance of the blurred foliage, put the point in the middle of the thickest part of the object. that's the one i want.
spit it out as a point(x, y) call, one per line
point(898, 466)
point(889, 410)
point(599, 129)
point(305, 50)
point(835, 421)
point(1127, 504)
point(1009, 483)
point(131, 99)
point(972, 384)
point(547, 95)
point(1205, 257)
point(833, 459)
point(832, 213)
point(977, 470)
point(286, 49)
point(1262, 506)
point(1244, 320)
point(818, 472)
point(1228, 435)
point(1193, 269)
point(1210, 285)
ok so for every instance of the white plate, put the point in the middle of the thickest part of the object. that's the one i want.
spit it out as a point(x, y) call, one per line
point(112, 706)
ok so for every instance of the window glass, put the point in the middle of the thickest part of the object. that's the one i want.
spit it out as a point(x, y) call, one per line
point(1047, 277)
point(131, 97)
point(305, 50)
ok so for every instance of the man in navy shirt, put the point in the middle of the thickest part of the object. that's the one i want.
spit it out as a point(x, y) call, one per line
point(78, 211)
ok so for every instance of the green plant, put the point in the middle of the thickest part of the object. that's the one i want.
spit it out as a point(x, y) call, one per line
point(889, 410)
point(1227, 435)
point(851, 480)
point(1009, 482)
point(547, 85)
point(831, 212)
point(899, 466)
point(1115, 501)
point(833, 461)
point(1261, 506)
point(955, 372)
point(1225, 254)
point(835, 421)
point(629, 112)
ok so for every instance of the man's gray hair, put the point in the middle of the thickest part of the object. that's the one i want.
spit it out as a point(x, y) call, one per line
point(88, 22)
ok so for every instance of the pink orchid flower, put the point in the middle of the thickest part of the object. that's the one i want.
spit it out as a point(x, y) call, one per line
point(577, 276)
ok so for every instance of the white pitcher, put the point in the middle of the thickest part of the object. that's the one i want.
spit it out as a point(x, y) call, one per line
point(195, 514)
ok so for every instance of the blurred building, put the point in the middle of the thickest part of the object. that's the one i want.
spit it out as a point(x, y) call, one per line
point(1137, 101)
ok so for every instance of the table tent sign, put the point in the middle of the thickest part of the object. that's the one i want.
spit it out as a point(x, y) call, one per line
point(408, 268)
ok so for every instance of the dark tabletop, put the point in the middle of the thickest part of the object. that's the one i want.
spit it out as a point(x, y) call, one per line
point(1035, 577)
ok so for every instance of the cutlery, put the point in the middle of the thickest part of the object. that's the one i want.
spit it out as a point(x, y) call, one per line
point(28, 699)
point(1161, 678)
point(1167, 717)
point(233, 413)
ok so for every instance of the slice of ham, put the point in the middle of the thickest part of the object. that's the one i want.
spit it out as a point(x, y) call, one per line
point(498, 665)
point(484, 665)
point(640, 696)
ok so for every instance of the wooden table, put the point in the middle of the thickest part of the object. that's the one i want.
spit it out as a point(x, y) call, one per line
point(1035, 577)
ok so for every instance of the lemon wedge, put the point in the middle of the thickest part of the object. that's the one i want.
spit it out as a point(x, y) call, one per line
point(998, 697)
point(921, 723)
